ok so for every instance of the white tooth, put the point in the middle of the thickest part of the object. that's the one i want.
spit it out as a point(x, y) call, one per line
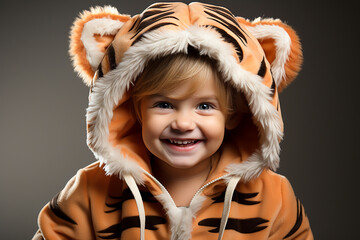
point(181, 142)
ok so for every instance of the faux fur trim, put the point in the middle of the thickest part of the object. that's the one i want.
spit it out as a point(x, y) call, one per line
point(77, 49)
point(282, 44)
point(99, 114)
point(181, 218)
point(108, 90)
point(248, 170)
point(97, 26)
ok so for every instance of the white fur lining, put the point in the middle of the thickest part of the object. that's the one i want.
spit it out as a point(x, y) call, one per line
point(99, 26)
point(181, 218)
point(109, 89)
point(282, 44)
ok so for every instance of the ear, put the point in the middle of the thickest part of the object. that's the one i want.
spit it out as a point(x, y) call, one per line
point(91, 34)
point(281, 46)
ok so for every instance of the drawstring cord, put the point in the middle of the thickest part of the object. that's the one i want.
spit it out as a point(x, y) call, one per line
point(227, 204)
point(139, 203)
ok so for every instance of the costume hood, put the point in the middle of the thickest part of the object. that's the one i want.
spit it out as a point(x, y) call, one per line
point(110, 50)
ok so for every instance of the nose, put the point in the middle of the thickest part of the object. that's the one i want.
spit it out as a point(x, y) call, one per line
point(183, 122)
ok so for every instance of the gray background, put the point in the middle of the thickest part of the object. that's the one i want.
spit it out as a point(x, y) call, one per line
point(43, 102)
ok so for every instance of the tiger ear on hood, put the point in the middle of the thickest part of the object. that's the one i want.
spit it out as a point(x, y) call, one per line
point(281, 46)
point(91, 33)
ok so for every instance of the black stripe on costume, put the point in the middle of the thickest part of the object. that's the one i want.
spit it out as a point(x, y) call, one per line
point(232, 28)
point(134, 24)
point(226, 13)
point(222, 13)
point(55, 208)
point(159, 5)
point(219, 9)
point(152, 29)
point(127, 195)
point(229, 39)
point(130, 222)
point(116, 206)
point(239, 197)
point(114, 230)
point(111, 57)
point(248, 225)
point(299, 219)
point(146, 23)
point(152, 13)
point(262, 69)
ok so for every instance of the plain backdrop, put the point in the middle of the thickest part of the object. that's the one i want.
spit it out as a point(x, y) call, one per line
point(43, 103)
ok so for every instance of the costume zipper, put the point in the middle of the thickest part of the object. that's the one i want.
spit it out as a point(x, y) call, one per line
point(197, 192)
point(205, 186)
point(161, 186)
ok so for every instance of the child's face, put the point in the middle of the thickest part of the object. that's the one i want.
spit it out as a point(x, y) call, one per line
point(183, 132)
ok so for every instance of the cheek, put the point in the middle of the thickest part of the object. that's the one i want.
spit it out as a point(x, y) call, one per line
point(152, 128)
point(149, 129)
point(215, 128)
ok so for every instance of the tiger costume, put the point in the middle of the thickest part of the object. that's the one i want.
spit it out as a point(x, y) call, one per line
point(117, 197)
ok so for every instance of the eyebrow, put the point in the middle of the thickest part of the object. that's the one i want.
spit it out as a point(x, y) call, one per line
point(199, 98)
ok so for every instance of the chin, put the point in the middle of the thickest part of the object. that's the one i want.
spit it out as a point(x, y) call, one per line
point(183, 163)
point(182, 166)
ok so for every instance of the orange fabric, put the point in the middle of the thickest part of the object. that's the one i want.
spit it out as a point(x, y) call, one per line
point(90, 200)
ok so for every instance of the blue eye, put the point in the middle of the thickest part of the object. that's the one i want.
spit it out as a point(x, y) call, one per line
point(205, 106)
point(163, 105)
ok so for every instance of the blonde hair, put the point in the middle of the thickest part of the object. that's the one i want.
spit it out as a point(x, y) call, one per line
point(166, 74)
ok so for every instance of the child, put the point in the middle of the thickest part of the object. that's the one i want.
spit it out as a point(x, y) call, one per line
point(185, 120)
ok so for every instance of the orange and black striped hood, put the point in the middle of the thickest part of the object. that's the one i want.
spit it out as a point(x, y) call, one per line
point(109, 50)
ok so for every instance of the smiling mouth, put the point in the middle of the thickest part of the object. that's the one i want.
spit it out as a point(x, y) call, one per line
point(182, 143)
